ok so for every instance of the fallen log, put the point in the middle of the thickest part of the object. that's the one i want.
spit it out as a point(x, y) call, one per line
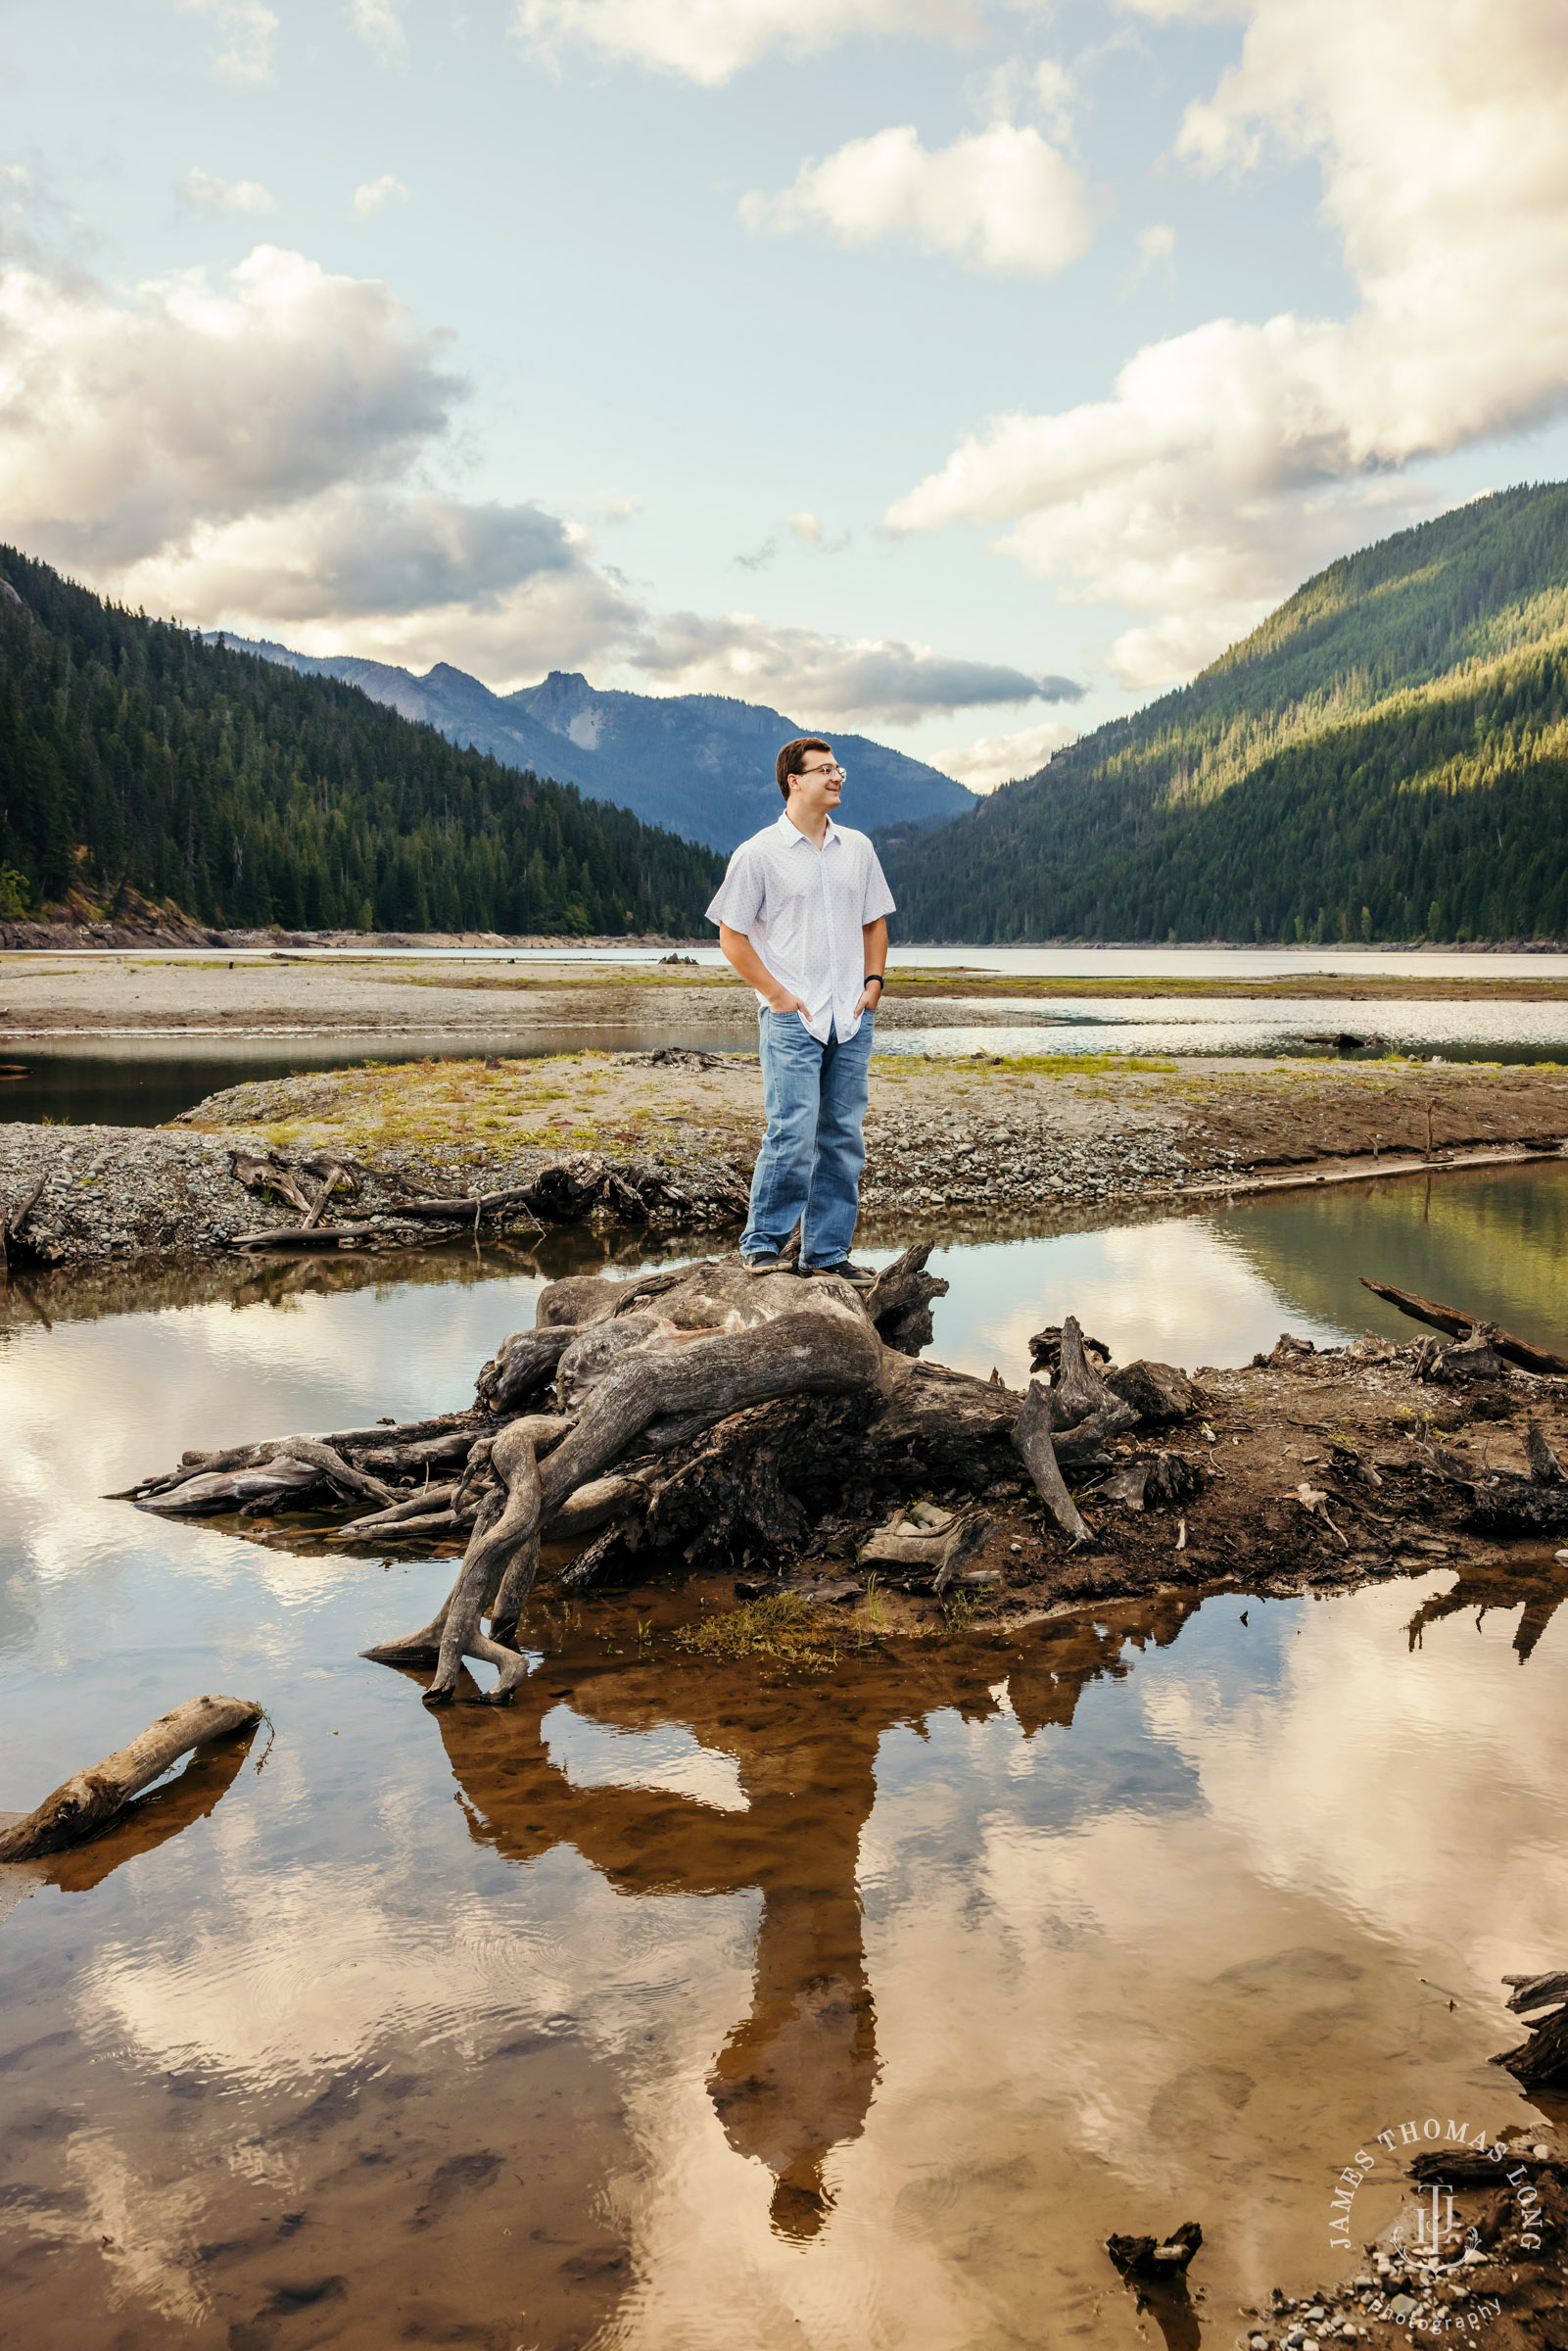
point(90, 1800)
point(700, 1411)
point(1460, 1325)
point(291, 1240)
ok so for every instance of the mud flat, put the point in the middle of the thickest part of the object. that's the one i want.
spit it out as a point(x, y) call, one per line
point(255, 989)
point(665, 1141)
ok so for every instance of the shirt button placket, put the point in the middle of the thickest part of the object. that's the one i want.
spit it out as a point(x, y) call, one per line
point(828, 926)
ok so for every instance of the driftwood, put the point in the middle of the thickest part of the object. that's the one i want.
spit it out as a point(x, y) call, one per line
point(13, 1220)
point(1045, 1350)
point(721, 1342)
point(1077, 1392)
point(1520, 1506)
point(925, 1545)
point(1032, 1434)
point(269, 1174)
point(1165, 1478)
point(1073, 1420)
point(1156, 2257)
point(1542, 2061)
point(293, 1240)
point(90, 1800)
point(1461, 1325)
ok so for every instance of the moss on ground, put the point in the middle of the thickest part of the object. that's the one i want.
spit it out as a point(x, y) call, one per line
point(782, 1626)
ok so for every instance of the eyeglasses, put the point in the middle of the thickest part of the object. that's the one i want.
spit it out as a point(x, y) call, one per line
point(838, 773)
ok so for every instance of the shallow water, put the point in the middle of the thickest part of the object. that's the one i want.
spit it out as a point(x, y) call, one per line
point(674, 2006)
point(142, 1082)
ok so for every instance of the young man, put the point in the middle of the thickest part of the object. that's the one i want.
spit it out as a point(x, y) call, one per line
point(803, 916)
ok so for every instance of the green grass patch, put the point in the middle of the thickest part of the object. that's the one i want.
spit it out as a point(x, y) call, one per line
point(785, 1627)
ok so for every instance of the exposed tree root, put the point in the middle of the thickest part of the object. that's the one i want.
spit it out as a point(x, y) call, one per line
point(707, 1415)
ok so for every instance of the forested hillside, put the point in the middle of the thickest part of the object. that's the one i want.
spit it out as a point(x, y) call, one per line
point(134, 755)
point(702, 763)
point(1385, 759)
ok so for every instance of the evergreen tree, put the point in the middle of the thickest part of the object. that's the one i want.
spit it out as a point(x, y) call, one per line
point(134, 755)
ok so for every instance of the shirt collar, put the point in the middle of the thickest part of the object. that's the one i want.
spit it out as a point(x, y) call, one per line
point(793, 832)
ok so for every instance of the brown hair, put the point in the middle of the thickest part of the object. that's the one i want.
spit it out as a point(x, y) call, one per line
point(792, 758)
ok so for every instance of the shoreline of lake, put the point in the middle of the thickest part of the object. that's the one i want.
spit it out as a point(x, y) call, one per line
point(665, 1142)
point(256, 995)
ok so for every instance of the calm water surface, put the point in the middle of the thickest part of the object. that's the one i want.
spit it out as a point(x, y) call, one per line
point(676, 2006)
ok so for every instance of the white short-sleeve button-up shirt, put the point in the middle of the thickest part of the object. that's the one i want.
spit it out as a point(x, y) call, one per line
point(803, 909)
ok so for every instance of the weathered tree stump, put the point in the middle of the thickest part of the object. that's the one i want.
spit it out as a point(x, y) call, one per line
point(697, 1411)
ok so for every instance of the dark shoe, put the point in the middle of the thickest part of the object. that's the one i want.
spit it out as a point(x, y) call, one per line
point(861, 1276)
point(763, 1265)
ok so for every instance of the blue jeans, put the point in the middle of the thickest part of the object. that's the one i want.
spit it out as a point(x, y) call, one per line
point(808, 1169)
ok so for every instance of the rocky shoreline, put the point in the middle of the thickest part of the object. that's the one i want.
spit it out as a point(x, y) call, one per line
point(665, 1142)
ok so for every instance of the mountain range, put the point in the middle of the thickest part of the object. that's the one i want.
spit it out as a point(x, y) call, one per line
point(137, 761)
point(1385, 757)
point(698, 764)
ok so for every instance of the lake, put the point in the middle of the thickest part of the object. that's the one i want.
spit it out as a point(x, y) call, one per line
point(679, 2005)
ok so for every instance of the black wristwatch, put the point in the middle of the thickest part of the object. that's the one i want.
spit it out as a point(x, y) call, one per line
point(878, 977)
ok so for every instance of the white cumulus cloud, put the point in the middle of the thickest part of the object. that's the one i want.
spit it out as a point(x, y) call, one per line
point(201, 192)
point(1230, 459)
point(1002, 200)
point(999, 758)
point(376, 193)
point(126, 426)
point(709, 41)
point(244, 33)
point(254, 455)
point(378, 23)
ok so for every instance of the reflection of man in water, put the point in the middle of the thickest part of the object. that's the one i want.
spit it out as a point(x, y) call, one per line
point(793, 2079)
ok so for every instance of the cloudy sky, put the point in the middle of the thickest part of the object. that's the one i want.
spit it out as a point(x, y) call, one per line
point(959, 370)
